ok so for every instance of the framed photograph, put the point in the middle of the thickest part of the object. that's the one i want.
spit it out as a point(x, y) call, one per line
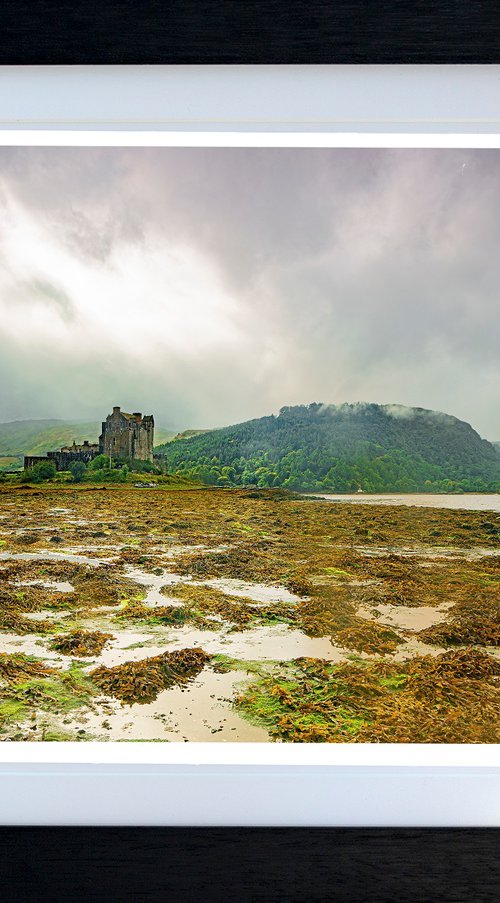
point(249, 459)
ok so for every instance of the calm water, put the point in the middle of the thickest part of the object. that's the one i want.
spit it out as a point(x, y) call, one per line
point(470, 501)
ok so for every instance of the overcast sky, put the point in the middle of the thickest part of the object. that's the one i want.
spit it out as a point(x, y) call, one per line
point(209, 286)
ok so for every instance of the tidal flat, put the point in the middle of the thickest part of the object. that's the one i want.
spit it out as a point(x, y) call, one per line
point(225, 615)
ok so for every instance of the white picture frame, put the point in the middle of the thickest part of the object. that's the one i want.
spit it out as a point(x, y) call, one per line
point(278, 784)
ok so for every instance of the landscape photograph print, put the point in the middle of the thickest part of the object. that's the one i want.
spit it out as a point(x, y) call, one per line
point(249, 444)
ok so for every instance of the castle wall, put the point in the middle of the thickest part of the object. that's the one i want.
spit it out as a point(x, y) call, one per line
point(116, 438)
point(31, 460)
point(143, 440)
point(127, 436)
point(65, 456)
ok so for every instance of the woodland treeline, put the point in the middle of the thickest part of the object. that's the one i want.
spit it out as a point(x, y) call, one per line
point(317, 447)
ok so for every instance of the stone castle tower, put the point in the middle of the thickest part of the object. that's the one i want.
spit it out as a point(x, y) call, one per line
point(127, 436)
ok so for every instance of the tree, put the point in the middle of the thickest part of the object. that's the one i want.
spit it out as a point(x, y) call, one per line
point(78, 471)
point(142, 467)
point(44, 470)
point(101, 462)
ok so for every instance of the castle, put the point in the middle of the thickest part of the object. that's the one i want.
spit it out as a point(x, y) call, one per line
point(123, 436)
point(127, 436)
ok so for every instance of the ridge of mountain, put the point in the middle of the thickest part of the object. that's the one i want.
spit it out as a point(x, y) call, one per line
point(323, 447)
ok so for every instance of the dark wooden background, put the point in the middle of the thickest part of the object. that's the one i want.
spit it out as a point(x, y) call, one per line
point(249, 865)
point(249, 31)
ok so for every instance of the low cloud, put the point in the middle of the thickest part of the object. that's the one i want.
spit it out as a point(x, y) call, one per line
point(214, 285)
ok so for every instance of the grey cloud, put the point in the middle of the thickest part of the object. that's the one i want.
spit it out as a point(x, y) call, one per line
point(355, 273)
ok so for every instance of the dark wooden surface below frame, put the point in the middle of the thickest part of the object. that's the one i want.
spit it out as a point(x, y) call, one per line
point(250, 865)
point(48, 32)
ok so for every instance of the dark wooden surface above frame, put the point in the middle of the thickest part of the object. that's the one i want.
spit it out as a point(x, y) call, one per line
point(250, 865)
point(47, 32)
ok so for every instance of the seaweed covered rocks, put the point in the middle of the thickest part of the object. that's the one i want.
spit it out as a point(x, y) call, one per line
point(450, 698)
point(142, 681)
point(81, 642)
point(380, 595)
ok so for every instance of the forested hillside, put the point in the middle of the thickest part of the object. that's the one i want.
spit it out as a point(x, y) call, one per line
point(343, 448)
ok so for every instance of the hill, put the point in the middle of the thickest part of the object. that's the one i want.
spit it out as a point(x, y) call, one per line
point(37, 437)
point(343, 448)
point(188, 434)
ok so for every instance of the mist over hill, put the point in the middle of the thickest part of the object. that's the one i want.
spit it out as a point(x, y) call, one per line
point(343, 448)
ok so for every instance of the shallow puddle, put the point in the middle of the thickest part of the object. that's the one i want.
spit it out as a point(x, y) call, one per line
point(154, 584)
point(129, 646)
point(276, 643)
point(31, 644)
point(406, 617)
point(43, 554)
point(257, 592)
point(202, 711)
point(414, 647)
point(175, 550)
point(46, 614)
point(60, 586)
